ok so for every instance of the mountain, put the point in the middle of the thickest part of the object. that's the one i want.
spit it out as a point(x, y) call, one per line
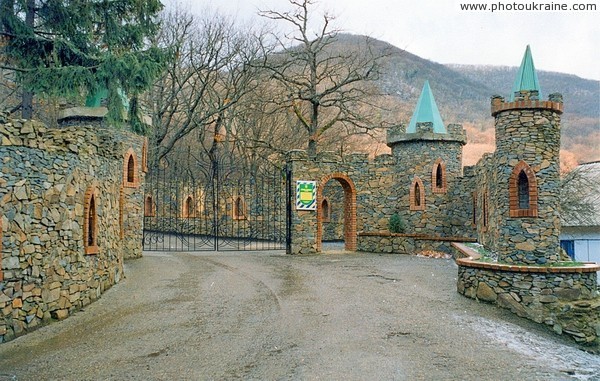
point(463, 92)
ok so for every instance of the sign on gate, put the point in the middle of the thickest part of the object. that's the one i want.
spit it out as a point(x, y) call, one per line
point(306, 195)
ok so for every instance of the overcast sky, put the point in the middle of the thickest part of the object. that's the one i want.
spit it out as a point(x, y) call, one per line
point(438, 30)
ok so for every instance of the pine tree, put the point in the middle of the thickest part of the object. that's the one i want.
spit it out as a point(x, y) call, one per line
point(80, 47)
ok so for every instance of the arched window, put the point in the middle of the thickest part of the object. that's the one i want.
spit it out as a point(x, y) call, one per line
point(325, 210)
point(438, 177)
point(523, 193)
point(149, 207)
point(523, 186)
point(189, 209)
point(90, 221)
point(417, 195)
point(130, 170)
point(239, 208)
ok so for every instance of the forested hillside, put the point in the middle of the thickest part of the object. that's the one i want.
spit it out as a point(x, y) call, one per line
point(463, 92)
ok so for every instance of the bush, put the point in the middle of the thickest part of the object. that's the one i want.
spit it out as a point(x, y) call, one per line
point(397, 224)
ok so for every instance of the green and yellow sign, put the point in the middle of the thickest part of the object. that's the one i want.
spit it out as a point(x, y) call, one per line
point(306, 195)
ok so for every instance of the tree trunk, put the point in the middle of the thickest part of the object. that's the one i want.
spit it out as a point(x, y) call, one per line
point(27, 97)
point(27, 105)
point(312, 148)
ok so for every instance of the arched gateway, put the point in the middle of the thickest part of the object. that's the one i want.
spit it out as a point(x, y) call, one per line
point(349, 210)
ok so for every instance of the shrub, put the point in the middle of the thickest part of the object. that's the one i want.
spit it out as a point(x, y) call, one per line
point(396, 224)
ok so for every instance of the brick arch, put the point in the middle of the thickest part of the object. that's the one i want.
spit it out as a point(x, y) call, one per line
point(149, 206)
point(522, 171)
point(349, 210)
point(131, 176)
point(239, 208)
point(188, 207)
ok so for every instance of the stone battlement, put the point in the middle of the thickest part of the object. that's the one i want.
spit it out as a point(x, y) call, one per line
point(425, 132)
point(527, 100)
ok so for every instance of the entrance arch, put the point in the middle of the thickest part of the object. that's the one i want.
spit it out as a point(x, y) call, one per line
point(349, 210)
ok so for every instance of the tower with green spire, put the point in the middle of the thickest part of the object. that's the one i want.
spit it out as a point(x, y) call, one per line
point(428, 162)
point(527, 79)
point(521, 217)
point(426, 112)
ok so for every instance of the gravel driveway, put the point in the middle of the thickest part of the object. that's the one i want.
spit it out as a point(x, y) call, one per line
point(268, 316)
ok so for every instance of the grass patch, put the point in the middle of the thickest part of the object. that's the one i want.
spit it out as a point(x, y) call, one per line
point(488, 256)
point(564, 264)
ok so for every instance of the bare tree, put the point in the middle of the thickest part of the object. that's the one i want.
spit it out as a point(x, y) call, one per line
point(580, 196)
point(263, 128)
point(212, 71)
point(325, 86)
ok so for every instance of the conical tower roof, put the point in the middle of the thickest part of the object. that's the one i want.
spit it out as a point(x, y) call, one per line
point(526, 77)
point(426, 111)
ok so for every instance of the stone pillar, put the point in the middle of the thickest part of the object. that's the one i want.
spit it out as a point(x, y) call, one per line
point(303, 230)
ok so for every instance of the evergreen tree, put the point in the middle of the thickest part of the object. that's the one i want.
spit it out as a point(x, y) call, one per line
point(80, 47)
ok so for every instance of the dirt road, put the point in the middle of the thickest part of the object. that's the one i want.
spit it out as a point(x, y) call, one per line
point(268, 316)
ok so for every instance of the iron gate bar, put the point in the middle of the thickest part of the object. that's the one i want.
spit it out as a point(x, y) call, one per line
point(225, 206)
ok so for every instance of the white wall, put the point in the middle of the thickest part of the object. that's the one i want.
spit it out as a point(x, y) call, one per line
point(586, 240)
point(587, 250)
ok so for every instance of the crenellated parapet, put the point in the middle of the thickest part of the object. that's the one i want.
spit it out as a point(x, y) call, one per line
point(527, 100)
point(425, 132)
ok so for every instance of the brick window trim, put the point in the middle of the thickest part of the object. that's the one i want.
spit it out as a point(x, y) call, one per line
point(434, 187)
point(90, 194)
point(149, 206)
point(185, 207)
point(513, 192)
point(130, 154)
point(412, 200)
point(350, 234)
point(145, 156)
point(238, 203)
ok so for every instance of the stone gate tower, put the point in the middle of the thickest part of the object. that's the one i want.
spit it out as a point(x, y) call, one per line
point(428, 157)
point(524, 176)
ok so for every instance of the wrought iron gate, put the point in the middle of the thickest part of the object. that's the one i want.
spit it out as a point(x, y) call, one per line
point(217, 204)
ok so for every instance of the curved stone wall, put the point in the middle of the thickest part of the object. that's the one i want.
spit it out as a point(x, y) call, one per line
point(563, 298)
point(44, 176)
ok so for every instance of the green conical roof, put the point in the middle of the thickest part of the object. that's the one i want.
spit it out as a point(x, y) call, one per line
point(526, 77)
point(426, 111)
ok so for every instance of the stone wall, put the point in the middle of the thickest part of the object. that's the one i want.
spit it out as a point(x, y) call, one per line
point(397, 243)
point(45, 176)
point(563, 298)
point(377, 189)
